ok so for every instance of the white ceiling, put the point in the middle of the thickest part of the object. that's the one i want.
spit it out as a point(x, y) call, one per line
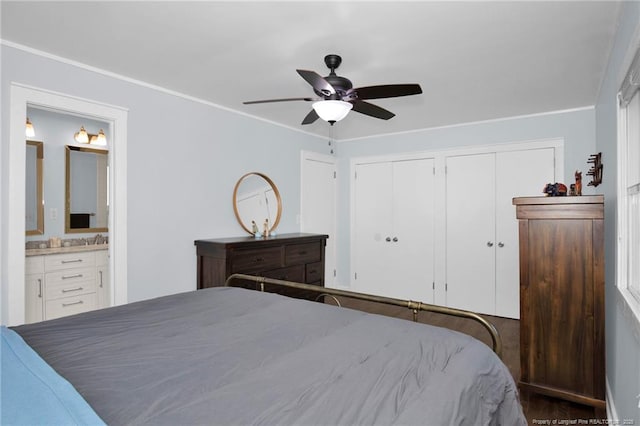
point(474, 60)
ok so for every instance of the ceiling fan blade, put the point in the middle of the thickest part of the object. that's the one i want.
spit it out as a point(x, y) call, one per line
point(281, 100)
point(318, 82)
point(387, 91)
point(311, 117)
point(370, 109)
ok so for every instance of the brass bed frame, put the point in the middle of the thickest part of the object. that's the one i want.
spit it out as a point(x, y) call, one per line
point(409, 304)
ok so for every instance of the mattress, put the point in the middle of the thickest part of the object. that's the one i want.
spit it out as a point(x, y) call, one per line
point(234, 356)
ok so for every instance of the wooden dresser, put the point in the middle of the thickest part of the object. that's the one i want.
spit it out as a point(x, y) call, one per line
point(562, 352)
point(291, 257)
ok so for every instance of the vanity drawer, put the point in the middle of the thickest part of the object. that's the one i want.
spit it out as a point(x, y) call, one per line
point(292, 273)
point(63, 290)
point(71, 305)
point(70, 276)
point(56, 262)
point(296, 254)
point(33, 265)
point(249, 261)
point(314, 272)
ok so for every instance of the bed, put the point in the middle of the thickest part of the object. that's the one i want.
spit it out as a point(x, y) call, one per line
point(230, 355)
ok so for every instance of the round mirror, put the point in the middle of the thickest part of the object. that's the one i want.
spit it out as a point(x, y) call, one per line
point(257, 204)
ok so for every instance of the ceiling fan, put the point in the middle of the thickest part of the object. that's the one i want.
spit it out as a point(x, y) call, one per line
point(336, 95)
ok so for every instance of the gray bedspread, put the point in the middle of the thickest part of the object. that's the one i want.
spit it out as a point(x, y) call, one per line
point(229, 356)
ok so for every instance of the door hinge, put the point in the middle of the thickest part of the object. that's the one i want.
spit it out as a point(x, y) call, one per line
point(446, 287)
point(355, 175)
point(355, 275)
point(434, 170)
point(433, 287)
point(334, 273)
point(334, 174)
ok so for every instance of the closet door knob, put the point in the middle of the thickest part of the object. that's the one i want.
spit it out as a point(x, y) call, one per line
point(388, 239)
point(395, 239)
point(489, 243)
point(500, 244)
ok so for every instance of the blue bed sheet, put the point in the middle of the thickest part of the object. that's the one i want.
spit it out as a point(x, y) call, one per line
point(32, 393)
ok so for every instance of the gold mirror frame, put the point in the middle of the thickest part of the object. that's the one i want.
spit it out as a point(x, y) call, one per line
point(39, 230)
point(247, 227)
point(67, 210)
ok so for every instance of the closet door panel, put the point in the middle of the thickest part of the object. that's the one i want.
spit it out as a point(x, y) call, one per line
point(470, 232)
point(413, 228)
point(373, 217)
point(518, 174)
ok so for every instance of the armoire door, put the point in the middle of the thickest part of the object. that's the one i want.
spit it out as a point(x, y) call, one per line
point(394, 229)
point(470, 232)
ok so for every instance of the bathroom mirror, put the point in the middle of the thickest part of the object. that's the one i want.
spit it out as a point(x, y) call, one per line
point(255, 200)
point(34, 207)
point(86, 188)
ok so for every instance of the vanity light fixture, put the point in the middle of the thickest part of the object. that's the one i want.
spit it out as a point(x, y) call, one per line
point(99, 139)
point(81, 136)
point(29, 130)
point(332, 110)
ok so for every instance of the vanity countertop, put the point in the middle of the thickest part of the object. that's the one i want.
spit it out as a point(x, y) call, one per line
point(71, 249)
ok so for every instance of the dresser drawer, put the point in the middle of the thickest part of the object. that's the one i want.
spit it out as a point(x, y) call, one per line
point(314, 272)
point(249, 261)
point(70, 305)
point(58, 262)
point(296, 254)
point(292, 273)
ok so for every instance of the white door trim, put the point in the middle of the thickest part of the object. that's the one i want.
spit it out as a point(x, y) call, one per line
point(13, 259)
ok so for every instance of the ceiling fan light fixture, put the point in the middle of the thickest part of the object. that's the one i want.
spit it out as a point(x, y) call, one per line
point(332, 110)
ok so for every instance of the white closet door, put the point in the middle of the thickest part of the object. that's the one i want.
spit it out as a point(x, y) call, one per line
point(518, 174)
point(412, 241)
point(470, 232)
point(318, 207)
point(373, 208)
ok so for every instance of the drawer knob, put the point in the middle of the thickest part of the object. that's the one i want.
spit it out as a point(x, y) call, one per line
point(71, 261)
point(303, 252)
point(69, 290)
point(79, 302)
point(259, 259)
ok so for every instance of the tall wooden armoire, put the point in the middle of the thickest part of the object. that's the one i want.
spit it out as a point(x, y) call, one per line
point(562, 352)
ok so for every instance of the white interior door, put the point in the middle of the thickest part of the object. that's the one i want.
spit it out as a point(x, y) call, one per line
point(373, 216)
point(318, 205)
point(470, 232)
point(413, 240)
point(518, 174)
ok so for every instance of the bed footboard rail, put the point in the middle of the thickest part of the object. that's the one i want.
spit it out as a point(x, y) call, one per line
point(409, 304)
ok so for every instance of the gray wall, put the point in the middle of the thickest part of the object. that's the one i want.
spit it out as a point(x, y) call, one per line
point(184, 158)
point(576, 127)
point(622, 328)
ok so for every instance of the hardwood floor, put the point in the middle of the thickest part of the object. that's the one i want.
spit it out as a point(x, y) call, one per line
point(535, 407)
